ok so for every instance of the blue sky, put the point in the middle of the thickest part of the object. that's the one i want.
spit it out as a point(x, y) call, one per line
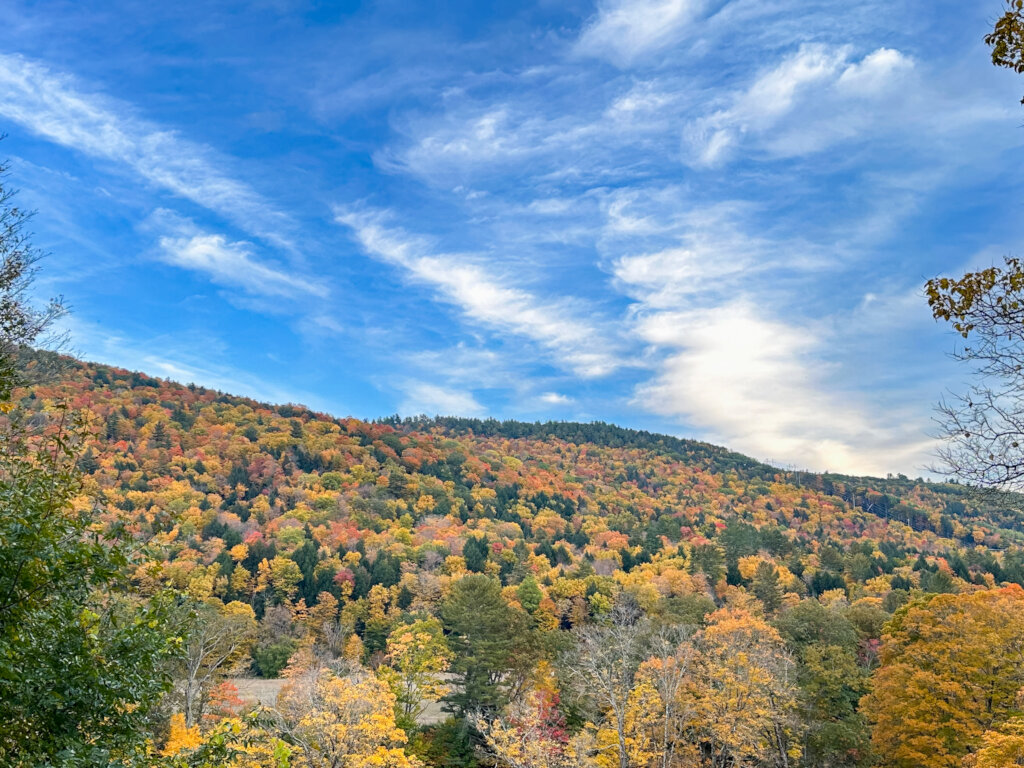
point(710, 218)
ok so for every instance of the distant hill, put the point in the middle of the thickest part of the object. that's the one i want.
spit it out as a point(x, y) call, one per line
point(198, 472)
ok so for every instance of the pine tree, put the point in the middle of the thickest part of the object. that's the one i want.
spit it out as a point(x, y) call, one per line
point(482, 632)
point(766, 587)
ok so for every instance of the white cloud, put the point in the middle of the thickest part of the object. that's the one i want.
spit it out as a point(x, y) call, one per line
point(700, 253)
point(461, 142)
point(53, 106)
point(642, 99)
point(624, 31)
point(729, 362)
point(758, 385)
point(324, 325)
point(432, 400)
point(818, 82)
point(233, 263)
point(468, 366)
point(489, 298)
point(551, 206)
point(468, 142)
point(875, 72)
point(556, 398)
point(667, 277)
point(774, 92)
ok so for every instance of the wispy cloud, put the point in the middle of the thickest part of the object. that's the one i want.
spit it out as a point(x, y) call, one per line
point(468, 366)
point(668, 249)
point(818, 75)
point(703, 254)
point(624, 31)
point(554, 139)
point(487, 297)
point(56, 107)
point(470, 141)
point(667, 212)
point(234, 264)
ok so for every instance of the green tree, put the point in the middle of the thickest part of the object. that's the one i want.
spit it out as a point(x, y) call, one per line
point(765, 586)
point(482, 634)
point(529, 595)
point(82, 660)
point(708, 559)
point(831, 681)
point(475, 550)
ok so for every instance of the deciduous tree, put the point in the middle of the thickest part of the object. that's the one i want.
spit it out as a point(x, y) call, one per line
point(337, 722)
point(417, 656)
point(951, 669)
point(1007, 38)
point(82, 659)
point(603, 667)
point(218, 639)
point(744, 694)
point(532, 734)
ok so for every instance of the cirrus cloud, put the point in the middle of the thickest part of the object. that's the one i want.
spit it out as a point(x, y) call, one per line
point(624, 31)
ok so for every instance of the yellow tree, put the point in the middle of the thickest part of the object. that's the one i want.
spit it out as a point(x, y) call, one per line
point(279, 578)
point(643, 713)
point(1001, 748)
point(181, 737)
point(322, 615)
point(342, 721)
point(951, 668)
point(743, 694)
point(661, 707)
point(417, 657)
point(232, 743)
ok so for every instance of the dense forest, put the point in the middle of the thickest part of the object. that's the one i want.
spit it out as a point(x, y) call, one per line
point(563, 594)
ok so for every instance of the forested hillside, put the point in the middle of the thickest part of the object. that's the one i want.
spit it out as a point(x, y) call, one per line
point(200, 472)
point(458, 560)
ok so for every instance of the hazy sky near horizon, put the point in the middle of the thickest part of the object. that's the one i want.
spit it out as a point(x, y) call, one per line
point(711, 218)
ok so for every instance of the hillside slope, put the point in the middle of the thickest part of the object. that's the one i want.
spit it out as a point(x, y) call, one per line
point(223, 483)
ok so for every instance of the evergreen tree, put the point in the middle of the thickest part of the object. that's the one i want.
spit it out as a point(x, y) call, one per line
point(475, 551)
point(529, 595)
point(709, 560)
point(765, 586)
point(482, 631)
